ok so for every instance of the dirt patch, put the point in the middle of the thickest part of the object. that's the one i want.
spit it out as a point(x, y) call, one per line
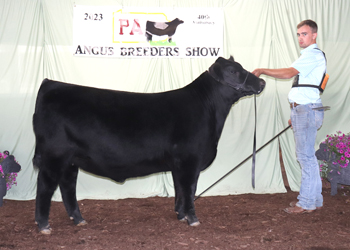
point(247, 221)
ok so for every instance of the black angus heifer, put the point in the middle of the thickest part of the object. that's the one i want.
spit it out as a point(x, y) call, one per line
point(121, 134)
point(162, 28)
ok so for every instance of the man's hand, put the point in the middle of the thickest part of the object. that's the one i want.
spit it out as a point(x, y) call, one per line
point(257, 72)
point(290, 123)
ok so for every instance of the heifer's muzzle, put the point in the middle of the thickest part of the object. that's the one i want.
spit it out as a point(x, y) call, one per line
point(262, 85)
point(238, 87)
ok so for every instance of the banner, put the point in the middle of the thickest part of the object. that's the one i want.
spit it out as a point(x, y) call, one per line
point(110, 31)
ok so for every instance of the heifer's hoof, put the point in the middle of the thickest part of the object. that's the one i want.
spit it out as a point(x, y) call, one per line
point(182, 219)
point(192, 220)
point(46, 230)
point(195, 224)
point(192, 224)
point(82, 223)
point(181, 216)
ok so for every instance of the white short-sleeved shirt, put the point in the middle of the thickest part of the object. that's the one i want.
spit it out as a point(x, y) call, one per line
point(311, 66)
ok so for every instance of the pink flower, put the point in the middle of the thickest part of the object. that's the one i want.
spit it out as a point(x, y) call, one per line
point(9, 178)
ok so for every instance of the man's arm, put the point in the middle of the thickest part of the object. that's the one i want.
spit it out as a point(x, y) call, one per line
point(284, 73)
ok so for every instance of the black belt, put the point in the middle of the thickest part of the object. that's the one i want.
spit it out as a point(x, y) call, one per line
point(294, 104)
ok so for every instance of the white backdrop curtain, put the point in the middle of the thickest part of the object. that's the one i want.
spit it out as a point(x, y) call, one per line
point(36, 38)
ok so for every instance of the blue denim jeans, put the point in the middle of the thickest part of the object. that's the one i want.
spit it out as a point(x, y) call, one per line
point(306, 121)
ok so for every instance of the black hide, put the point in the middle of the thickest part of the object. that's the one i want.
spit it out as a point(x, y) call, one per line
point(120, 134)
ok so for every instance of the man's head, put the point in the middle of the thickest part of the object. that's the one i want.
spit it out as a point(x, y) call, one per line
point(307, 33)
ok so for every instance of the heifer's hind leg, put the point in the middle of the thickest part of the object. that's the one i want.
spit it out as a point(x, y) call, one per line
point(179, 203)
point(46, 186)
point(67, 185)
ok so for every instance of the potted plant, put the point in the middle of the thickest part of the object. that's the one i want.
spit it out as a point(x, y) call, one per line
point(334, 152)
point(8, 173)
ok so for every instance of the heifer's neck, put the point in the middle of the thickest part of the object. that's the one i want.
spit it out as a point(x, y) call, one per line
point(216, 97)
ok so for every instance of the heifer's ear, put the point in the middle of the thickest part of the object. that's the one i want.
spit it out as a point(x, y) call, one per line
point(231, 59)
point(214, 72)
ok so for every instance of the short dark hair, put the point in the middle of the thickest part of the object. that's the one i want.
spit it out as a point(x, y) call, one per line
point(310, 23)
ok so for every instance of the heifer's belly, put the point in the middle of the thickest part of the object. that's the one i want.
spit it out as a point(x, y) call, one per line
point(123, 159)
point(120, 169)
point(119, 157)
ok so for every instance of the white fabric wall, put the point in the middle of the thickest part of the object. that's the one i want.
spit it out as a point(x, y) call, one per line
point(36, 43)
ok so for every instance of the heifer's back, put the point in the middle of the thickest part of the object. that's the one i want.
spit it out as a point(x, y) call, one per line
point(121, 134)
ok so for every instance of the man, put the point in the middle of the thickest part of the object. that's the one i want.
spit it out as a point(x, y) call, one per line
point(306, 119)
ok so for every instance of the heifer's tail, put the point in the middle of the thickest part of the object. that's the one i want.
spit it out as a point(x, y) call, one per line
point(45, 86)
point(36, 160)
point(37, 156)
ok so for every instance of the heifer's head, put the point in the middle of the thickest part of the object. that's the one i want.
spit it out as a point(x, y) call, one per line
point(231, 73)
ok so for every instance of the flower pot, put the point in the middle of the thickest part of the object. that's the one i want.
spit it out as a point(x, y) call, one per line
point(8, 166)
point(338, 175)
point(3, 189)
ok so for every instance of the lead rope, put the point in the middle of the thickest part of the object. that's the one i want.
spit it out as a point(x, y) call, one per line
point(240, 164)
point(254, 147)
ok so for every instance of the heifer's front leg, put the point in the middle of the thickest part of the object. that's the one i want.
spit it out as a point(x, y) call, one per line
point(67, 186)
point(185, 188)
point(46, 186)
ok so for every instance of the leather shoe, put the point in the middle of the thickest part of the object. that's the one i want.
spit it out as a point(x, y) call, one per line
point(297, 210)
point(294, 203)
